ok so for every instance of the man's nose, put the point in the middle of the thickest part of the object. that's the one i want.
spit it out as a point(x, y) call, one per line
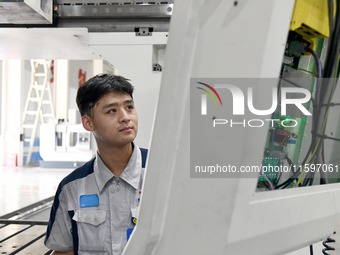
point(124, 116)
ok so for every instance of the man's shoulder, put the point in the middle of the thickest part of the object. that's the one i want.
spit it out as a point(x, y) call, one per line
point(79, 173)
point(144, 153)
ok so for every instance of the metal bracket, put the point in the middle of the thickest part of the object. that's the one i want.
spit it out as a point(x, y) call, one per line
point(143, 31)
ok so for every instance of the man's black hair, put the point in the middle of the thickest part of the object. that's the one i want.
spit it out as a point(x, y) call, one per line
point(96, 87)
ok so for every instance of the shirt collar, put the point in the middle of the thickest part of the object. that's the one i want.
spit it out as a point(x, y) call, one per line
point(131, 173)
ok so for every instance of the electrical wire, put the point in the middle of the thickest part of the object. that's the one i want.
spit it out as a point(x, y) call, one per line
point(330, 5)
point(319, 73)
point(322, 124)
point(336, 75)
point(264, 184)
point(309, 151)
point(327, 246)
point(323, 93)
point(333, 48)
point(311, 252)
point(278, 179)
point(328, 137)
point(297, 172)
point(317, 62)
point(313, 148)
point(315, 113)
point(291, 179)
point(314, 122)
point(271, 185)
point(316, 104)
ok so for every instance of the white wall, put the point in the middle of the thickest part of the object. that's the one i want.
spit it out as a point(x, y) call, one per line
point(11, 119)
point(133, 57)
point(61, 81)
point(74, 67)
point(1, 135)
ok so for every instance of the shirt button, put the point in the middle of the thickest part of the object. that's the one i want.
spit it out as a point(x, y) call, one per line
point(113, 190)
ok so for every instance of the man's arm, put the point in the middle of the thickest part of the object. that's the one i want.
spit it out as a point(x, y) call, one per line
point(58, 236)
point(62, 253)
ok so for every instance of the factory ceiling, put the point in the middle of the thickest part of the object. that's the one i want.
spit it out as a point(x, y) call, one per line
point(142, 17)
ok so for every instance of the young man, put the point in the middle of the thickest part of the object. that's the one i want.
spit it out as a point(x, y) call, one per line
point(96, 206)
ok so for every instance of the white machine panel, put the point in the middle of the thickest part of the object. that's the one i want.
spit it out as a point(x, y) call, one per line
point(184, 215)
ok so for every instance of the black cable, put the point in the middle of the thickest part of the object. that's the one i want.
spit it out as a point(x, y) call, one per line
point(323, 178)
point(280, 174)
point(278, 179)
point(286, 183)
point(324, 96)
point(297, 173)
point(337, 71)
point(290, 162)
point(320, 93)
point(323, 152)
point(311, 252)
point(330, 5)
point(332, 52)
point(328, 137)
point(314, 119)
point(316, 102)
point(329, 105)
point(327, 246)
point(308, 181)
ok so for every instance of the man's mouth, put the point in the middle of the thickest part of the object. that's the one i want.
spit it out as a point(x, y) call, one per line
point(125, 129)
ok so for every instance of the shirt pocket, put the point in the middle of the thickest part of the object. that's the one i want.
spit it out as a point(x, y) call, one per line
point(91, 230)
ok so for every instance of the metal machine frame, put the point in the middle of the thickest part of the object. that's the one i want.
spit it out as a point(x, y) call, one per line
point(183, 215)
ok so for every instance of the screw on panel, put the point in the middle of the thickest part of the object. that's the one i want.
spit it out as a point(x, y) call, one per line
point(156, 67)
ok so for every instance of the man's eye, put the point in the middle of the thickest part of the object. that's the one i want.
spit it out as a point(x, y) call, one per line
point(131, 107)
point(112, 111)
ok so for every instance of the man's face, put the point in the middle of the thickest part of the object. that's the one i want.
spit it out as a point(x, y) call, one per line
point(113, 121)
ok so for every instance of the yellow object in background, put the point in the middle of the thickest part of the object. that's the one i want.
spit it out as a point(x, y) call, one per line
point(310, 19)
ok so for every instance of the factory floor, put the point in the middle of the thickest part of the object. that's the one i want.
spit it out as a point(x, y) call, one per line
point(23, 186)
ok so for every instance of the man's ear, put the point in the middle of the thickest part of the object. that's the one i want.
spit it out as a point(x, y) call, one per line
point(87, 123)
